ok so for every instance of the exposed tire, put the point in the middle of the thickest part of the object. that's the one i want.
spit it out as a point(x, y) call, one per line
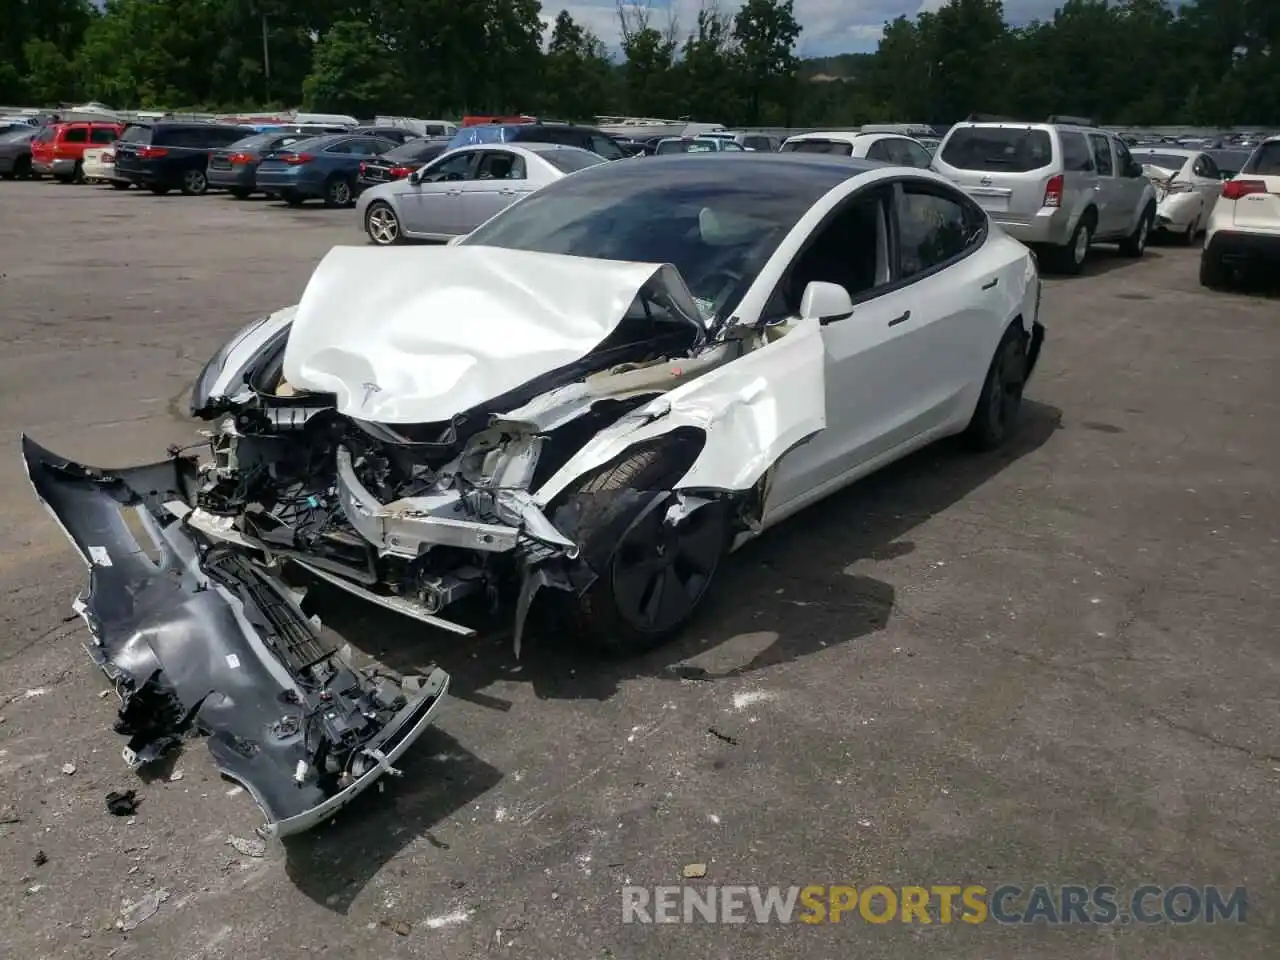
point(77, 174)
point(1000, 402)
point(22, 168)
point(240, 193)
point(195, 183)
point(1071, 258)
point(119, 184)
point(651, 577)
point(1214, 274)
point(1135, 245)
point(338, 193)
point(382, 225)
point(158, 190)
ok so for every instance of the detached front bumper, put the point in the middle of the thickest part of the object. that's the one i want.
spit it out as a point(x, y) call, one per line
point(197, 638)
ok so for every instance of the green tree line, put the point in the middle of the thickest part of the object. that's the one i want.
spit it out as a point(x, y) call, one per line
point(1141, 62)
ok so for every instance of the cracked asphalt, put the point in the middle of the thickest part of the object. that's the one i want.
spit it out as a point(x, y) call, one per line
point(1057, 664)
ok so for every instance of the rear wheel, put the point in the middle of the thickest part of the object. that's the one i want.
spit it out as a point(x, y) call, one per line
point(291, 198)
point(158, 189)
point(1001, 399)
point(1214, 274)
point(119, 184)
point(77, 175)
point(195, 183)
point(338, 193)
point(22, 168)
point(1072, 257)
point(651, 574)
point(240, 193)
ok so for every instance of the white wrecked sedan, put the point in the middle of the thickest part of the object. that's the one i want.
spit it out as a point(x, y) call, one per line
point(591, 399)
point(1188, 184)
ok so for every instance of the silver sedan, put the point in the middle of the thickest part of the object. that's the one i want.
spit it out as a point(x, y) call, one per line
point(463, 188)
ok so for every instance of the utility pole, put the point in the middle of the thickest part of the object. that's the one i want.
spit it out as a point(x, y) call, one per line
point(266, 60)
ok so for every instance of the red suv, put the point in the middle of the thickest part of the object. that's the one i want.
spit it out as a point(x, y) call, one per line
point(59, 148)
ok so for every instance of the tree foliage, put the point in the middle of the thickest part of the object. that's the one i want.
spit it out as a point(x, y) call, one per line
point(1142, 62)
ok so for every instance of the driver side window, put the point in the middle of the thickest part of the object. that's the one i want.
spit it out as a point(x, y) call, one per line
point(456, 167)
point(851, 249)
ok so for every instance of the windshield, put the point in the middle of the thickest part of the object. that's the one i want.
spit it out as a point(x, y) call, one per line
point(1005, 149)
point(716, 231)
point(568, 159)
point(1265, 161)
point(1166, 161)
point(838, 148)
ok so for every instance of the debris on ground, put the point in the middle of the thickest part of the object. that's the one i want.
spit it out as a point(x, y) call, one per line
point(68, 768)
point(692, 871)
point(122, 804)
point(103, 694)
point(400, 928)
point(723, 737)
point(36, 889)
point(141, 910)
point(247, 848)
point(40, 859)
point(9, 814)
point(175, 776)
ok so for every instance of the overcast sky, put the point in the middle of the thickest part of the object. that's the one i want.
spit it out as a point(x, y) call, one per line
point(830, 26)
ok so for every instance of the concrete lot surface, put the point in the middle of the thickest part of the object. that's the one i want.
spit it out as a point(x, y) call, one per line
point(1055, 665)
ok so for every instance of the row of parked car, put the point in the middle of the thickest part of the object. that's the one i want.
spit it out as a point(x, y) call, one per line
point(1059, 186)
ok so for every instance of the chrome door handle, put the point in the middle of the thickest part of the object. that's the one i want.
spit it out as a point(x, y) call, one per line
point(902, 319)
point(990, 283)
point(507, 192)
point(453, 193)
point(1097, 186)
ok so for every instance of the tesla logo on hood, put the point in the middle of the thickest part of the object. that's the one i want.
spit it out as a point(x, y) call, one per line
point(986, 181)
point(369, 390)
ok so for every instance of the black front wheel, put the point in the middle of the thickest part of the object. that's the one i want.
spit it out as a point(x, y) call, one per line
point(195, 183)
point(652, 573)
point(338, 193)
point(1135, 245)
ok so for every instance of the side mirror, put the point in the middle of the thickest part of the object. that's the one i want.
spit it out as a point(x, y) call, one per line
point(825, 302)
point(1135, 168)
point(415, 178)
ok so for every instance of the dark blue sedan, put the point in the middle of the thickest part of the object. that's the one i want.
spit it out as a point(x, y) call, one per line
point(325, 167)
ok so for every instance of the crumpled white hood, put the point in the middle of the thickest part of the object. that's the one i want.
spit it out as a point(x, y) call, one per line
point(416, 335)
point(1158, 173)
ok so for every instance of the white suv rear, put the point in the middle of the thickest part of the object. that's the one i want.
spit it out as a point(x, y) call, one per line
point(1244, 227)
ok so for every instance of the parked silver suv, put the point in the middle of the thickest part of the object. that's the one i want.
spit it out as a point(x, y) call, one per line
point(1059, 186)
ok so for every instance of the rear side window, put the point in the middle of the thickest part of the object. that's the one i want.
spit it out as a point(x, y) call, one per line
point(102, 135)
point(837, 148)
point(758, 143)
point(1265, 161)
point(177, 137)
point(567, 161)
point(998, 149)
point(1101, 154)
point(933, 228)
point(1075, 152)
point(75, 135)
point(605, 147)
point(136, 133)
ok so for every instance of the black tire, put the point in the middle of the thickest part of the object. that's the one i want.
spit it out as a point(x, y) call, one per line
point(1214, 274)
point(119, 184)
point(158, 189)
point(1071, 258)
point(77, 174)
point(619, 521)
point(62, 177)
point(292, 199)
point(194, 183)
point(382, 225)
point(339, 192)
point(1135, 245)
point(1188, 237)
point(1000, 402)
point(240, 193)
point(22, 168)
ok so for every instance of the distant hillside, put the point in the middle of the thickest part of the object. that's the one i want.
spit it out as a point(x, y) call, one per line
point(843, 66)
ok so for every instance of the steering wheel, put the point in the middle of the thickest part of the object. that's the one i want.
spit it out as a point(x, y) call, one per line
point(732, 279)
